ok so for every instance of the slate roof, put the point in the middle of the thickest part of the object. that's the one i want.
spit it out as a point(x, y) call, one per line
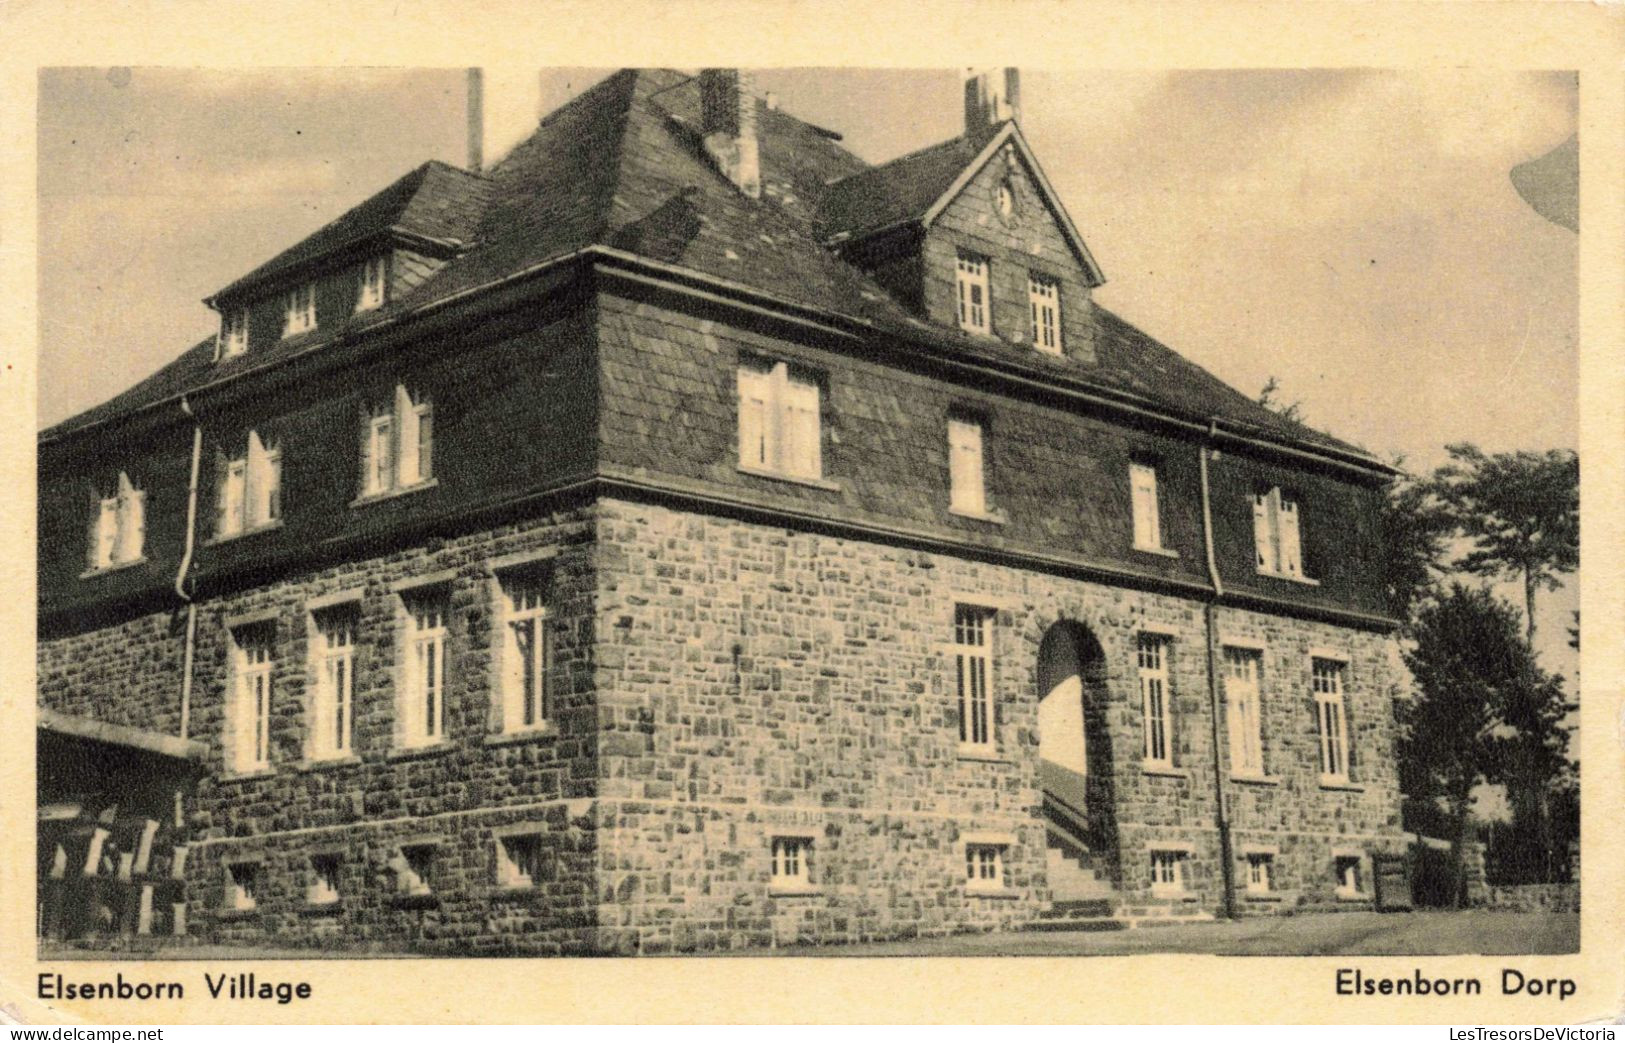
point(435, 201)
point(622, 165)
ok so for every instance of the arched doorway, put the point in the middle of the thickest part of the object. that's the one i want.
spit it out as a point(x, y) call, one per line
point(1074, 745)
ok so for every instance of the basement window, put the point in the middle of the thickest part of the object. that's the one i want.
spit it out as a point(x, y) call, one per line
point(519, 860)
point(324, 880)
point(1260, 873)
point(792, 864)
point(984, 867)
point(242, 886)
point(1167, 872)
point(414, 872)
point(1350, 876)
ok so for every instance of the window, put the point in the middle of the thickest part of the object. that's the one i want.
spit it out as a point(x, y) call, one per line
point(299, 315)
point(414, 871)
point(423, 695)
point(1242, 711)
point(397, 444)
point(251, 716)
point(233, 339)
point(119, 527)
point(973, 665)
point(249, 496)
point(519, 860)
point(526, 651)
point(1167, 872)
point(324, 880)
point(967, 478)
point(1330, 722)
point(1154, 701)
point(1260, 872)
point(1143, 496)
point(371, 294)
point(779, 420)
point(242, 886)
point(1349, 875)
point(332, 708)
point(1276, 533)
point(1044, 295)
point(792, 863)
point(970, 282)
point(984, 867)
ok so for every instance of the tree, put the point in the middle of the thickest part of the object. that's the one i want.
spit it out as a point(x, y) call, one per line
point(1416, 527)
point(1267, 398)
point(1474, 676)
point(1521, 510)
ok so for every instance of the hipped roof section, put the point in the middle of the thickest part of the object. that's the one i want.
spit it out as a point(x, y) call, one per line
point(622, 166)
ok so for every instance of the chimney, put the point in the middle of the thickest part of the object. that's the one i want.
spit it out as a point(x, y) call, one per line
point(992, 96)
point(728, 127)
point(504, 108)
point(476, 120)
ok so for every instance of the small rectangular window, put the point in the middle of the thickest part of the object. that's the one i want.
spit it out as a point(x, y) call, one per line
point(299, 314)
point(242, 886)
point(967, 476)
point(973, 666)
point(1350, 876)
point(424, 694)
point(397, 443)
point(324, 880)
point(792, 863)
point(333, 707)
point(1277, 538)
point(251, 718)
point(1260, 873)
point(1167, 872)
point(250, 488)
point(1330, 719)
point(118, 531)
point(1044, 296)
point(1146, 512)
point(1242, 694)
point(526, 651)
point(984, 867)
point(519, 860)
point(780, 423)
point(971, 286)
point(373, 282)
point(233, 339)
point(1155, 701)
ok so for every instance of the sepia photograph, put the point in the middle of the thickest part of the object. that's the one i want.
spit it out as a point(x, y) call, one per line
point(788, 511)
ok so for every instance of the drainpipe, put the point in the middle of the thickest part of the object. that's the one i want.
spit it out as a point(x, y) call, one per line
point(1226, 856)
point(186, 566)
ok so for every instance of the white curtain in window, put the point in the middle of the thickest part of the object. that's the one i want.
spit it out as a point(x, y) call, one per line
point(1147, 523)
point(966, 477)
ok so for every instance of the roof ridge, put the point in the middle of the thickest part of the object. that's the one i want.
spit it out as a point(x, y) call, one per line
point(877, 167)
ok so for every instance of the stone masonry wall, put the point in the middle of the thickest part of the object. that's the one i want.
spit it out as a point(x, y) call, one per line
point(756, 681)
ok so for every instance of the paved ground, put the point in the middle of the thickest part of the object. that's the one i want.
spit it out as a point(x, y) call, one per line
point(1428, 933)
point(1388, 934)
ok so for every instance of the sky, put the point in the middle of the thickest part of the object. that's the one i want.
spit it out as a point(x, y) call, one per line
point(1353, 233)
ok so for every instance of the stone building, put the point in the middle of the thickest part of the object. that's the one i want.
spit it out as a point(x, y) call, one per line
point(684, 535)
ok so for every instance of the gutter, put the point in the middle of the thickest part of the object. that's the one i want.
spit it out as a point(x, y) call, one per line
point(1227, 865)
point(185, 567)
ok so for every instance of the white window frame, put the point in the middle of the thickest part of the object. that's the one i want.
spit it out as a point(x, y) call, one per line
point(972, 650)
point(1243, 709)
point(299, 310)
point(1349, 874)
point(333, 641)
point(780, 420)
point(1168, 871)
point(791, 860)
point(525, 681)
point(374, 284)
point(254, 682)
point(971, 281)
point(1156, 699)
point(397, 444)
point(1277, 534)
point(1144, 506)
point(1260, 872)
point(233, 338)
point(1329, 681)
point(250, 493)
point(1044, 298)
point(242, 888)
point(119, 529)
point(513, 850)
point(324, 886)
point(984, 867)
point(967, 465)
point(422, 705)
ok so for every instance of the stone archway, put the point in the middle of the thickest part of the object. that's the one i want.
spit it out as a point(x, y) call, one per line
point(1074, 744)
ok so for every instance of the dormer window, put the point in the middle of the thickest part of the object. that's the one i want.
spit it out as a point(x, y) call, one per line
point(373, 275)
point(300, 314)
point(1044, 295)
point(233, 339)
point(970, 284)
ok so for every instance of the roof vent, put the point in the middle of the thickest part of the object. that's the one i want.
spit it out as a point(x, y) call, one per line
point(728, 127)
